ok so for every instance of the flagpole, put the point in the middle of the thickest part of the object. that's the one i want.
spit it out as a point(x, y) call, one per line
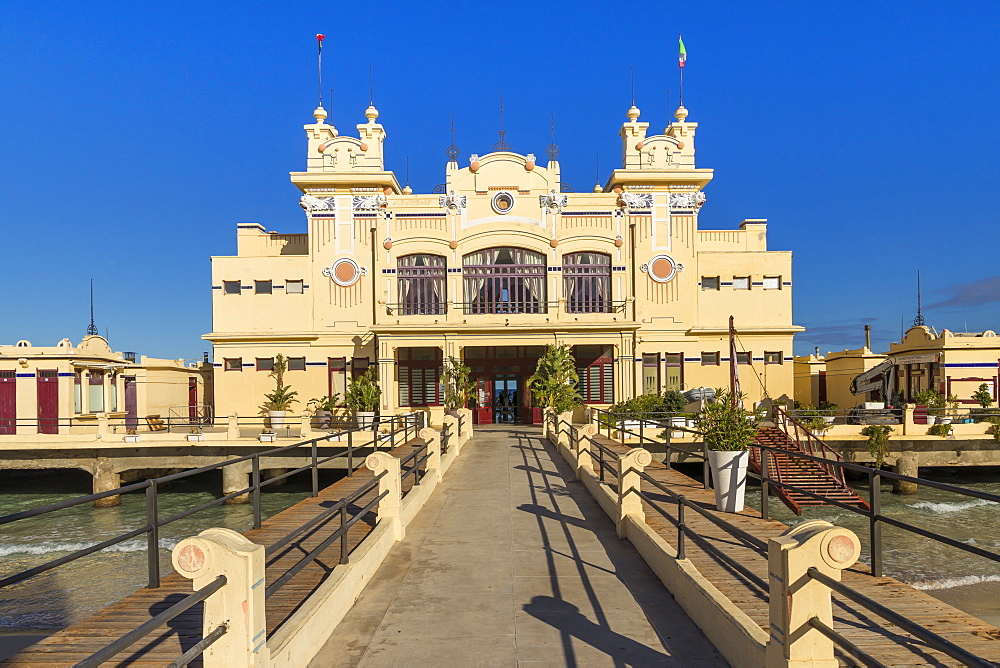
point(734, 383)
point(319, 67)
point(680, 67)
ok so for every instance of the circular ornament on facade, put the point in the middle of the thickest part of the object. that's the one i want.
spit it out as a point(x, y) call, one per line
point(554, 243)
point(502, 202)
point(662, 268)
point(529, 165)
point(619, 242)
point(387, 244)
point(474, 166)
point(364, 146)
point(680, 144)
point(453, 245)
point(639, 146)
point(344, 271)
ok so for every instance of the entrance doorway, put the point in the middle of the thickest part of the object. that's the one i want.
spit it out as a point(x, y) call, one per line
point(500, 374)
point(48, 401)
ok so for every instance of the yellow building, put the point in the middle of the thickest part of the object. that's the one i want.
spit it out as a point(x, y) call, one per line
point(500, 260)
point(63, 389)
point(952, 363)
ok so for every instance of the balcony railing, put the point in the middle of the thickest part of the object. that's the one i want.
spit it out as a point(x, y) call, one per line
point(531, 307)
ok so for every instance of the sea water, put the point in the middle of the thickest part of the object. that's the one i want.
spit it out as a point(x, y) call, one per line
point(68, 593)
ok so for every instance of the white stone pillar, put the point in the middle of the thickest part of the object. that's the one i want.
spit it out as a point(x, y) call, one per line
point(584, 461)
point(795, 598)
point(433, 441)
point(239, 604)
point(388, 507)
point(232, 426)
point(630, 465)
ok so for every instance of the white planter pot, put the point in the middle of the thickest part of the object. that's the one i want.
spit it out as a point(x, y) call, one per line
point(944, 420)
point(828, 419)
point(729, 477)
point(365, 419)
point(266, 438)
point(195, 437)
point(276, 418)
point(132, 438)
point(932, 419)
point(334, 437)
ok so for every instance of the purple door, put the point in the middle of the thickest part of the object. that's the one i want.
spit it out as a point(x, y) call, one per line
point(8, 402)
point(193, 401)
point(48, 401)
point(131, 415)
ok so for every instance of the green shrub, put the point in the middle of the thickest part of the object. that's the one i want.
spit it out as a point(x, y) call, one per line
point(724, 424)
point(982, 396)
point(878, 441)
point(941, 430)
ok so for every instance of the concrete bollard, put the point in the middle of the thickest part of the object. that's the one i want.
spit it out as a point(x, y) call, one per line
point(234, 478)
point(232, 426)
point(239, 604)
point(795, 598)
point(906, 464)
point(584, 461)
point(388, 507)
point(105, 480)
point(433, 441)
point(630, 465)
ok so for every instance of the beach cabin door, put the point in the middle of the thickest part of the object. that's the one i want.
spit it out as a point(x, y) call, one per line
point(48, 401)
point(8, 402)
point(131, 413)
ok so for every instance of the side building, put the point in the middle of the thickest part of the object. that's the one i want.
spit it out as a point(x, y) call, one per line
point(498, 261)
point(67, 388)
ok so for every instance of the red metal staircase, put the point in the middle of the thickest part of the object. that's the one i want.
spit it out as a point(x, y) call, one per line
point(824, 480)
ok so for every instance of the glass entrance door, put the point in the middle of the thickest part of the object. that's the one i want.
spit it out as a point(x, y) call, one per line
point(505, 398)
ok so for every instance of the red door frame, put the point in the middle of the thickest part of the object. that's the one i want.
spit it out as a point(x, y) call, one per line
point(8, 402)
point(47, 382)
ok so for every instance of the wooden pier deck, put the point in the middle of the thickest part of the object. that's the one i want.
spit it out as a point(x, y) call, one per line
point(884, 641)
point(83, 638)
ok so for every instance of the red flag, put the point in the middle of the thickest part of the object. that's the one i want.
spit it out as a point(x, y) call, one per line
point(319, 41)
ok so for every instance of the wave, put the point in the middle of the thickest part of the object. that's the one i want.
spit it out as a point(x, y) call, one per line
point(949, 507)
point(49, 547)
point(948, 583)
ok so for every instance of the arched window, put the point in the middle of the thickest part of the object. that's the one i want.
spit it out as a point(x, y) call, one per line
point(504, 280)
point(421, 284)
point(587, 282)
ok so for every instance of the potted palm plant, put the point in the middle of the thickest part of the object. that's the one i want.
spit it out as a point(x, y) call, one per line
point(362, 397)
point(279, 401)
point(553, 385)
point(458, 386)
point(323, 408)
point(728, 431)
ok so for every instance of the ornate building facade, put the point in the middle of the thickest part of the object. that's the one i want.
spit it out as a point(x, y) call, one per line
point(496, 263)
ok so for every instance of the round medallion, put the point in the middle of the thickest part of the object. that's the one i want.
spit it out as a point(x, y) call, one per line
point(345, 271)
point(662, 268)
point(554, 243)
point(364, 146)
point(453, 245)
point(503, 202)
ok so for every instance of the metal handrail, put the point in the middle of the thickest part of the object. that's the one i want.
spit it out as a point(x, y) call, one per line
point(934, 640)
point(845, 644)
point(143, 630)
point(400, 423)
point(812, 443)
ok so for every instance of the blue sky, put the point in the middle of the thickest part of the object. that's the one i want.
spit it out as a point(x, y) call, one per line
point(136, 135)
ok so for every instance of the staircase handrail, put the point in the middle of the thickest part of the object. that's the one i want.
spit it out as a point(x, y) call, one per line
point(811, 445)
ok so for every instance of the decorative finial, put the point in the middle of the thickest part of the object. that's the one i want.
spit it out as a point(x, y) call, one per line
point(452, 151)
point(633, 113)
point(371, 113)
point(92, 328)
point(552, 150)
point(319, 113)
point(681, 113)
point(502, 145)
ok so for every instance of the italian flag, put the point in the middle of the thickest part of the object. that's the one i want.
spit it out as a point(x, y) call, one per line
point(683, 54)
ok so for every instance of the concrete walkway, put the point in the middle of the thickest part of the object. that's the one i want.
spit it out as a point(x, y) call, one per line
point(512, 563)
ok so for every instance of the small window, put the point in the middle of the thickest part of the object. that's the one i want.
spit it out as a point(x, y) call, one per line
point(772, 282)
point(265, 364)
point(772, 358)
point(741, 282)
point(262, 287)
point(294, 287)
point(296, 363)
point(709, 282)
point(743, 358)
point(231, 287)
point(710, 359)
point(234, 364)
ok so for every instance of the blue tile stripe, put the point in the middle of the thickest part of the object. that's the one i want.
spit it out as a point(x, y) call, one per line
point(25, 375)
point(972, 365)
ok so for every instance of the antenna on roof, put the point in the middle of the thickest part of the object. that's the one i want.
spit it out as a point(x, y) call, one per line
point(371, 87)
point(452, 151)
point(502, 145)
point(92, 328)
point(631, 70)
point(552, 150)
point(319, 67)
point(407, 170)
point(919, 320)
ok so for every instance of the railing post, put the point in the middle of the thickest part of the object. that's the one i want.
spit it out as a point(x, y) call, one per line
point(350, 453)
point(765, 486)
point(795, 598)
point(564, 422)
point(153, 537)
point(392, 486)
point(256, 491)
point(874, 524)
point(681, 526)
point(433, 441)
point(630, 465)
point(239, 604)
point(232, 426)
point(704, 466)
point(315, 467)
